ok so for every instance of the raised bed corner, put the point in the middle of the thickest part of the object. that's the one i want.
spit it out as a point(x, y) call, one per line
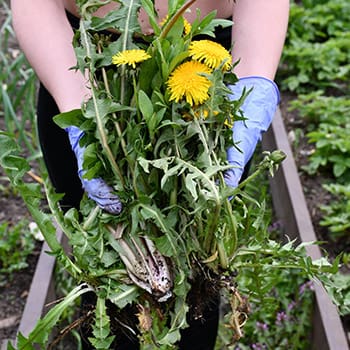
point(290, 208)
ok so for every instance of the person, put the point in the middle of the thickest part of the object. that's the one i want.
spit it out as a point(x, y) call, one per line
point(45, 28)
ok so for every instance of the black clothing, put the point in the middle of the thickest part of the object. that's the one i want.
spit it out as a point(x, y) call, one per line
point(59, 158)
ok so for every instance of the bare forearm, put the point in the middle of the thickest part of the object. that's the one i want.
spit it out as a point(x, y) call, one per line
point(45, 36)
point(258, 36)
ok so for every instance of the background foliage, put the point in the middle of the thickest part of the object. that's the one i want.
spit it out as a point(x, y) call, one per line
point(315, 68)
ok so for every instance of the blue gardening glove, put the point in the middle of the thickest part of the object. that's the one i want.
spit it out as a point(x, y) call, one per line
point(259, 108)
point(96, 189)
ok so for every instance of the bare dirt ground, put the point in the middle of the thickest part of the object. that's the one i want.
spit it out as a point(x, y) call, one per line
point(13, 298)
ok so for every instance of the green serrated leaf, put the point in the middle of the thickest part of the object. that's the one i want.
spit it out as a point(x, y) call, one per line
point(101, 328)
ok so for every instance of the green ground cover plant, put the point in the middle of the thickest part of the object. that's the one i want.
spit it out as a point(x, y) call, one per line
point(327, 119)
point(285, 323)
point(16, 243)
point(337, 213)
point(326, 108)
point(316, 54)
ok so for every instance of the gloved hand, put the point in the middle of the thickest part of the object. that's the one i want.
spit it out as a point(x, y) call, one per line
point(96, 189)
point(259, 108)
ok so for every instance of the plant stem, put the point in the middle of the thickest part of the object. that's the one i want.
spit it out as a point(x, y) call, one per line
point(232, 223)
point(91, 218)
point(173, 20)
point(116, 123)
point(52, 242)
point(210, 231)
point(222, 254)
point(270, 160)
point(99, 123)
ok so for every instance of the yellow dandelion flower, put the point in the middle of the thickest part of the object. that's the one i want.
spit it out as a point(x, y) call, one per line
point(163, 21)
point(187, 27)
point(186, 82)
point(130, 57)
point(210, 53)
point(204, 113)
point(228, 124)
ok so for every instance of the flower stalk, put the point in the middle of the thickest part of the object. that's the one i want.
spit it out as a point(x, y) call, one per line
point(100, 127)
point(116, 123)
point(174, 19)
point(270, 162)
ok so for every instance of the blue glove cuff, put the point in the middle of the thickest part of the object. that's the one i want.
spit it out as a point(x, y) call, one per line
point(74, 135)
